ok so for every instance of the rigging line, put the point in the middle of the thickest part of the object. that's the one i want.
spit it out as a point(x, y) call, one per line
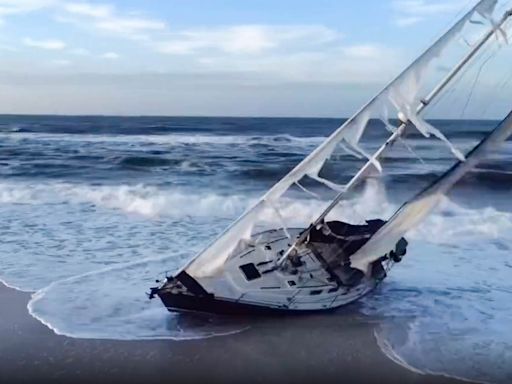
point(349, 151)
point(316, 196)
point(281, 219)
point(409, 148)
point(329, 184)
point(456, 17)
point(389, 143)
point(470, 96)
point(429, 53)
point(463, 73)
point(500, 88)
point(344, 246)
point(450, 91)
point(456, 85)
point(348, 240)
point(413, 152)
point(506, 82)
point(467, 42)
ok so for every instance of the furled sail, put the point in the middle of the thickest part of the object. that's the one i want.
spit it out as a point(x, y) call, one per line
point(405, 96)
point(414, 211)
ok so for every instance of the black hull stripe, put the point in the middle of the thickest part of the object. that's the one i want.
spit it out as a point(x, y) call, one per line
point(176, 303)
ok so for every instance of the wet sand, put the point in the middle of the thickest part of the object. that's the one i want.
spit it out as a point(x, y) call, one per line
point(320, 348)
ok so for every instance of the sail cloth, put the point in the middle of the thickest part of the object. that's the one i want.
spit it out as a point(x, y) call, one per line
point(402, 94)
point(414, 211)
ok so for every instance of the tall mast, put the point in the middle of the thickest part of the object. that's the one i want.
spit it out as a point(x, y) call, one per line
point(398, 133)
point(416, 209)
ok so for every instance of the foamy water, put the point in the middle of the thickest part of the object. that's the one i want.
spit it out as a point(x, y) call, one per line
point(89, 221)
point(446, 309)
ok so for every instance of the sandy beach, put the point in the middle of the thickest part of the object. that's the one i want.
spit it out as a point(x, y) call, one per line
point(284, 350)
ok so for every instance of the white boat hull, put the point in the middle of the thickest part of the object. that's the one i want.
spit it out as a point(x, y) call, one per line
point(250, 282)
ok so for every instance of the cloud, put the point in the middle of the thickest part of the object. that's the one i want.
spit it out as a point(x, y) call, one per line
point(410, 12)
point(53, 45)
point(245, 39)
point(16, 7)
point(104, 17)
point(90, 10)
point(297, 53)
point(107, 18)
point(361, 64)
point(110, 56)
point(13, 7)
point(408, 20)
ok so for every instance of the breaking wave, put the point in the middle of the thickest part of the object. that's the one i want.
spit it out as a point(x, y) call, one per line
point(452, 323)
point(153, 202)
point(168, 139)
point(102, 305)
point(78, 229)
point(142, 200)
point(123, 312)
point(110, 303)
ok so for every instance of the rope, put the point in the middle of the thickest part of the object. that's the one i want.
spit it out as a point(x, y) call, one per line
point(316, 196)
point(470, 96)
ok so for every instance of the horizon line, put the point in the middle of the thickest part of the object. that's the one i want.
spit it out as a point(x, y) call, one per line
point(218, 116)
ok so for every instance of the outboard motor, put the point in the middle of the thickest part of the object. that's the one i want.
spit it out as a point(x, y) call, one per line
point(400, 250)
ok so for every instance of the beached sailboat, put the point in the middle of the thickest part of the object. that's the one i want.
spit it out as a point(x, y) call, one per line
point(262, 263)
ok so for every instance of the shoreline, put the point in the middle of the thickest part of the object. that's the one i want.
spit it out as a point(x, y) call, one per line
point(273, 350)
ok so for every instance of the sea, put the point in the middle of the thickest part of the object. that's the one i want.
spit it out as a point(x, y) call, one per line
point(95, 209)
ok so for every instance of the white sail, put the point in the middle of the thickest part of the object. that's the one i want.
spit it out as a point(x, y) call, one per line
point(414, 211)
point(402, 94)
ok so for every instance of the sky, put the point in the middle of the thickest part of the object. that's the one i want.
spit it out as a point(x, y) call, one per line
point(209, 57)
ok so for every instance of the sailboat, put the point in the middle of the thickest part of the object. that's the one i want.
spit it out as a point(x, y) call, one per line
point(262, 264)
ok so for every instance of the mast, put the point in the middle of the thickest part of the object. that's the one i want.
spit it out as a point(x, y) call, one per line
point(416, 209)
point(211, 259)
point(400, 130)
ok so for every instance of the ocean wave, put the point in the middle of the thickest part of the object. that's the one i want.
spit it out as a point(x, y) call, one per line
point(110, 303)
point(461, 297)
point(120, 312)
point(101, 305)
point(454, 224)
point(461, 304)
point(169, 139)
point(153, 202)
point(476, 179)
point(139, 199)
point(156, 162)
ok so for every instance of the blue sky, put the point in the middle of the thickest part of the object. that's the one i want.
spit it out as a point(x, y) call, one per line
point(209, 57)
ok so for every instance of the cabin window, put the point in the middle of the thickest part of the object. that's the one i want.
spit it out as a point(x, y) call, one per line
point(335, 289)
point(315, 292)
point(292, 283)
point(250, 272)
